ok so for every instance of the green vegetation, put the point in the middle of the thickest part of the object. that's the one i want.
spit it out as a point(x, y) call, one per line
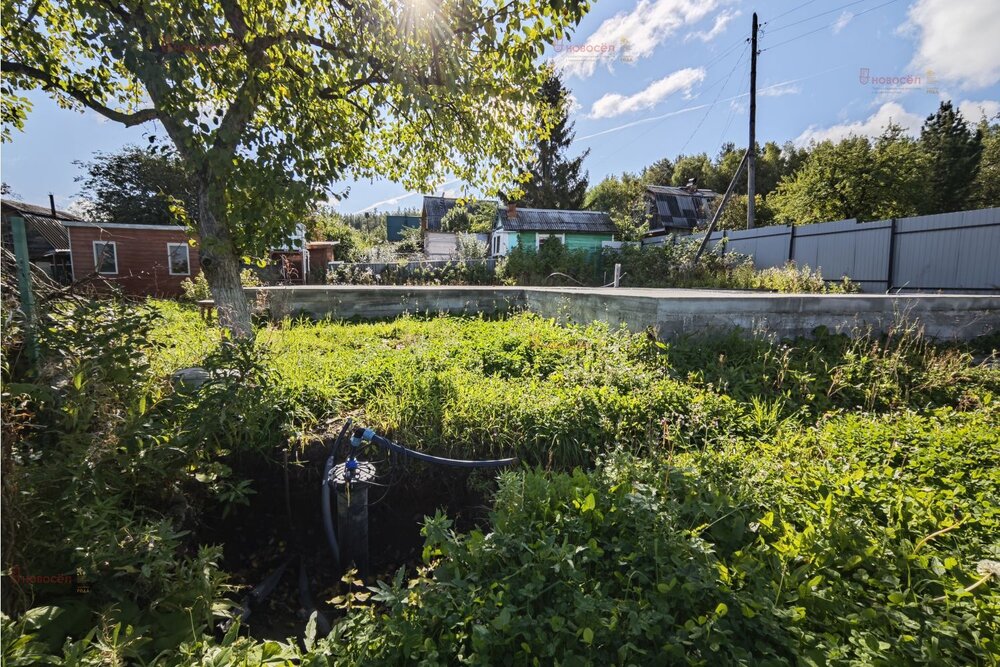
point(951, 166)
point(715, 501)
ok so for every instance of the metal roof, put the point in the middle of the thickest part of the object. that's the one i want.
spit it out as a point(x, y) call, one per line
point(39, 219)
point(435, 208)
point(679, 191)
point(556, 220)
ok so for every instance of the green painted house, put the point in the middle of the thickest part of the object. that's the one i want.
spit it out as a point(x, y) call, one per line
point(528, 227)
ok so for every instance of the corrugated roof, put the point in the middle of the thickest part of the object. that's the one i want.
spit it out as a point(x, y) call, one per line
point(41, 211)
point(555, 220)
point(435, 208)
point(39, 219)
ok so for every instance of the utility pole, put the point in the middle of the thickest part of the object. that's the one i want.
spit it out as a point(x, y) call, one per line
point(752, 146)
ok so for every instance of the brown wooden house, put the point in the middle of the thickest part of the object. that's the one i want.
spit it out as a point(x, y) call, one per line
point(143, 260)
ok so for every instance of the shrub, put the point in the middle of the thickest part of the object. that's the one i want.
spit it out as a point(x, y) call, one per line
point(197, 289)
point(526, 266)
point(671, 264)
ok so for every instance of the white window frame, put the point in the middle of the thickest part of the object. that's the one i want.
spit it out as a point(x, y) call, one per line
point(97, 260)
point(541, 237)
point(170, 268)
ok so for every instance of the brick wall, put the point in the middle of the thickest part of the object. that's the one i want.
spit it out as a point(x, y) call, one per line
point(142, 257)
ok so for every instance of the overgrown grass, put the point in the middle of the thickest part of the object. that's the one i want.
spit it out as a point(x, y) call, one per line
point(713, 501)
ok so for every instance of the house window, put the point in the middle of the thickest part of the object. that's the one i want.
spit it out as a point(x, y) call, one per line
point(541, 237)
point(178, 259)
point(106, 257)
point(496, 243)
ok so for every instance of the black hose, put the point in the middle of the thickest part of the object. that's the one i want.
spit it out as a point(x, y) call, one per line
point(305, 599)
point(331, 536)
point(391, 446)
point(325, 495)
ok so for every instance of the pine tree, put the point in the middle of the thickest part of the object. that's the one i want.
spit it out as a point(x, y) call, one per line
point(953, 151)
point(556, 181)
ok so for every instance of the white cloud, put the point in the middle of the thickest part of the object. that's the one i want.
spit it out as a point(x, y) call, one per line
point(636, 33)
point(890, 112)
point(973, 112)
point(957, 41)
point(718, 27)
point(842, 21)
point(614, 104)
point(572, 103)
point(779, 90)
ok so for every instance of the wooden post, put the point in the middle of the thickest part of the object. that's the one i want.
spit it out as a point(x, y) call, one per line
point(618, 274)
point(20, 237)
point(752, 147)
point(718, 211)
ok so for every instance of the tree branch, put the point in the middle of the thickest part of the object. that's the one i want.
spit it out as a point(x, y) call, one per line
point(50, 82)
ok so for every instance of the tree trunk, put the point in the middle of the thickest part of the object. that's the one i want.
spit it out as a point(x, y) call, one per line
point(222, 265)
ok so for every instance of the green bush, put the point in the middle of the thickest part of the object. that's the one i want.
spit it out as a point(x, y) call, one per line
point(671, 264)
point(860, 553)
point(197, 289)
point(526, 266)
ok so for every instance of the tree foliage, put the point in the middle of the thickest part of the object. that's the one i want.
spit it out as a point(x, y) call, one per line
point(855, 178)
point(953, 150)
point(556, 179)
point(470, 218)
point(267, 103)
point(137, 185)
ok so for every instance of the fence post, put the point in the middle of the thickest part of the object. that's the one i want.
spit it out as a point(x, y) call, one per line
point(890, 268)
point(618, 274)
point(791, 242)
point(20, 238)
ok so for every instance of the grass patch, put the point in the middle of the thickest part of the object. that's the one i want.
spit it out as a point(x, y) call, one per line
point(712, 501)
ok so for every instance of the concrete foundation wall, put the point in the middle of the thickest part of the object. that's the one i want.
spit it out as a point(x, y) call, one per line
point(670, 312)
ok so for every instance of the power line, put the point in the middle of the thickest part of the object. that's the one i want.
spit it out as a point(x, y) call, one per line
point(816, 16)
point(715, 101)
point(629, 143)
point(824, 27)
point(794, 9)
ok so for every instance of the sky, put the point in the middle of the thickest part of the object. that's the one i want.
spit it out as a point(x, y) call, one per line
point(656, 78)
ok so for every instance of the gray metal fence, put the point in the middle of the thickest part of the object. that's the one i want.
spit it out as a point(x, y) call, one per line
point(950, 252)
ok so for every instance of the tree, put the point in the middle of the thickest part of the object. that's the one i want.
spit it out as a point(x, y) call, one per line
point(698, 166)
point(470, 218)
point(953, 151)
point(854, 179)
point(267, 103)
point(660, 172)
point(556, 181)
point(614, 192)
point(140, 186)
point(987, 190)
point(734, 216)
point(903, 173)
point(631, 218)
